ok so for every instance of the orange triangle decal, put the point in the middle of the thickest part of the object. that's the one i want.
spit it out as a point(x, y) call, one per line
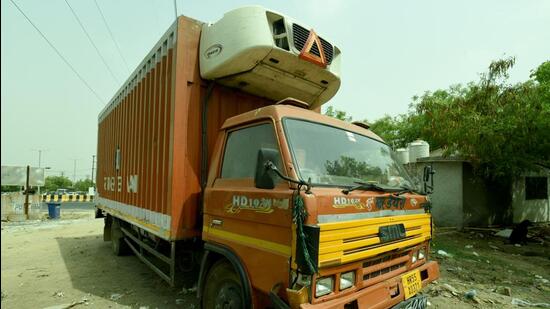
point(313, 50)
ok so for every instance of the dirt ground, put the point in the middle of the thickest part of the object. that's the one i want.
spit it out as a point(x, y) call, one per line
point(66, 262)
point(62, 262)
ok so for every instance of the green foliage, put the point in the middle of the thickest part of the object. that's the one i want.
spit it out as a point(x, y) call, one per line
point(83, 185)
point(11, 188)
point(350, 167)
point(57, 182)
point(338, 114)
point(502, 129)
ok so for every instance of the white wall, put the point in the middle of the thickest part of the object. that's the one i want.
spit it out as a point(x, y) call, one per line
point(532, 210)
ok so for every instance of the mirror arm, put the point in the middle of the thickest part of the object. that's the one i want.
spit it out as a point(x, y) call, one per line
point(271, 167)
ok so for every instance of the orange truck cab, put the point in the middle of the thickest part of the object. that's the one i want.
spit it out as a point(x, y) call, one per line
point(366, 230)
point(210, 173)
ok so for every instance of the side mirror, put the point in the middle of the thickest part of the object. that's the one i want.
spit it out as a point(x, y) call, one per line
point(428, 178)
point(264, 178)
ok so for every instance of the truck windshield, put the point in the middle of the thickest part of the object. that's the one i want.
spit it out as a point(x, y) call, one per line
point(336, 157)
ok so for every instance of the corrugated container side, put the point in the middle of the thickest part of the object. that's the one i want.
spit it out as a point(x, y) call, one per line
point(154, 121)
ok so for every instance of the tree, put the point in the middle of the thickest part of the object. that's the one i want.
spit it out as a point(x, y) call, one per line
point(338, 114)
point(83, 185)
point(11, 188)
point(502, 128)
point(53, 183)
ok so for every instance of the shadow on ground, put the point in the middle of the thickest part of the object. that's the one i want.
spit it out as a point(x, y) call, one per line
point(94, 269)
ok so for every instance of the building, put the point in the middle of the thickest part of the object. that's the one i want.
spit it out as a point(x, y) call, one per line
point(461, 199)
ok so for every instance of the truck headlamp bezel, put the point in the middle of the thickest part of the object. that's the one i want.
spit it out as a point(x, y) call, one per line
point(347, 280)
point(324, 286)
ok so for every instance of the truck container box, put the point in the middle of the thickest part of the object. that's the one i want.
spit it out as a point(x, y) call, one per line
point(149, 136)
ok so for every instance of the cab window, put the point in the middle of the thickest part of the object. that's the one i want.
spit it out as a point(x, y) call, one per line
point(241, 150)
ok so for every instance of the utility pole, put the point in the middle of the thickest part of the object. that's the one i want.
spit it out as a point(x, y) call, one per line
point(27, 192)
point(74, 172)
point(93, 165)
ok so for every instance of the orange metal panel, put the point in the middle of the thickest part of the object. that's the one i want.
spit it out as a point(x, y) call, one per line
point(157, 125)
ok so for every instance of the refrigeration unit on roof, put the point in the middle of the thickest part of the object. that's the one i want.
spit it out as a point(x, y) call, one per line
point(269, 55)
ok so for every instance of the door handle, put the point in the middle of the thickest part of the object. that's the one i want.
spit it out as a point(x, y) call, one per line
point(217, 222)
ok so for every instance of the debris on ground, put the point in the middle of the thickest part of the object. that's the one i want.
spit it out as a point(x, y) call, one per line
point(444, 253)
point(504, 290)
point(504, 233)
point(58, 294)
point(525, 303)
point(83, 301)
point(116, 296)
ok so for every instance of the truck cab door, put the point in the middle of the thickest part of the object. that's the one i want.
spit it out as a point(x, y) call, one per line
point(256, 224)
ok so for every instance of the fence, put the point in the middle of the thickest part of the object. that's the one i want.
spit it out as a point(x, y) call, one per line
point(60, 198)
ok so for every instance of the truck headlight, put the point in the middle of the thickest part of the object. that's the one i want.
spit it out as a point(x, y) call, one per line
point(414, 257)
point(324, 286)
point(422, 253)
point(347, 280)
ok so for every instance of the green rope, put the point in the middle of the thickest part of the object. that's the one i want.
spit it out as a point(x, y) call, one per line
point(299, 215)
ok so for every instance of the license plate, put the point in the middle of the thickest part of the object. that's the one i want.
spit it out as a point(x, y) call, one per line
point(411, 283)
point(391, 232)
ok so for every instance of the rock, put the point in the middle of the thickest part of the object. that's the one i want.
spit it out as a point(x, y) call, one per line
point(504, 290)
point(470, 294)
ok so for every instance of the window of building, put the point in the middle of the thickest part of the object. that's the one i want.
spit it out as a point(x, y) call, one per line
point(536, 188)
point(241, 150)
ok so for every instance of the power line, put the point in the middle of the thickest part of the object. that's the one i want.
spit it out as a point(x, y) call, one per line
point(92, 42)
point(58, 53)
point(112, 36)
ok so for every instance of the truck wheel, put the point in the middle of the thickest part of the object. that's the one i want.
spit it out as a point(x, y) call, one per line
point(223, 288)
point(119, 245)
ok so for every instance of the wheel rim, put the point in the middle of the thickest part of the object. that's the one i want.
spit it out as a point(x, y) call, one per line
point(229, 297)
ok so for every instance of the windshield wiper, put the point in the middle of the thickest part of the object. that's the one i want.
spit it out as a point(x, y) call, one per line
point(368, 186)
point(407, 189)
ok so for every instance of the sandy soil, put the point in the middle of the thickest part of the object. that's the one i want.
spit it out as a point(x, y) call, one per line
point(59, 263)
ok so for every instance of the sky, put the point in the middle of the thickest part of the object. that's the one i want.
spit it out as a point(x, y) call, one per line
point(391, 51)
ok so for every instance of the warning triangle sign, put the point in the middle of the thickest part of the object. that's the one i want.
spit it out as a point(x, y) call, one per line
point(313, 50)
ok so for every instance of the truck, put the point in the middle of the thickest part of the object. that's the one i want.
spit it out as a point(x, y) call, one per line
point(215, 165)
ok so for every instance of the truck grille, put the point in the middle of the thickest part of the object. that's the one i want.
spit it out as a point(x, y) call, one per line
point(344, 242)
point(301, 34)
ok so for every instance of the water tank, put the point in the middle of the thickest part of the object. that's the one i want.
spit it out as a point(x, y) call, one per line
point(418, 149)
point(402, 155)
point(270, 55)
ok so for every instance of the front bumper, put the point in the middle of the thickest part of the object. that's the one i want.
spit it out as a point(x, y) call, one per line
point(380, 294)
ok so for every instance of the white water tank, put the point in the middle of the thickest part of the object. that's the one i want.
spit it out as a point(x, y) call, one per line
point(270, 55)
point(418, 149)
point(402, 155)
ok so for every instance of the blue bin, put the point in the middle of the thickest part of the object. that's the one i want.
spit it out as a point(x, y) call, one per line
point(54, 210)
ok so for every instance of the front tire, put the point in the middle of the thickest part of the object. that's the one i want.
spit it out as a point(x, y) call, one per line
point(223, 288)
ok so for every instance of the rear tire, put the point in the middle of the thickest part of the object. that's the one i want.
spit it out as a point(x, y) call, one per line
point(223, 288)
point(118, 244)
